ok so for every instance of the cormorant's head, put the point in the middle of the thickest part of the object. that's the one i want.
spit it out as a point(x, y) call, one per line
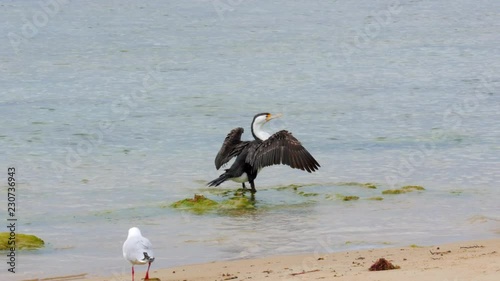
point(258, 121)
point(262, 118)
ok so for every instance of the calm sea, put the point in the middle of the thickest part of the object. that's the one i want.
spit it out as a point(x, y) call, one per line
point(112, 110)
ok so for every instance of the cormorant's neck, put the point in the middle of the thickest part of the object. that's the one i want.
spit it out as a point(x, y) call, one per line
point(258, 133)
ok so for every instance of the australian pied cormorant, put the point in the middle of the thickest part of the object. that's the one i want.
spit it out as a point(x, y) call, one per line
point(265, 150)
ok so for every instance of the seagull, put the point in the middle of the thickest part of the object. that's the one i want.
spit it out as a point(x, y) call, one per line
point(138, 250)
point(265, 150)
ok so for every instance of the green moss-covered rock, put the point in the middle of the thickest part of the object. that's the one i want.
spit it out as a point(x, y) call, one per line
point(404, 189)
point(197, 204)
point(23, 241)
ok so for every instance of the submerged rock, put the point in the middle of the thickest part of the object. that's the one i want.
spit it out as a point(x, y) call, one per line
point(23, 241)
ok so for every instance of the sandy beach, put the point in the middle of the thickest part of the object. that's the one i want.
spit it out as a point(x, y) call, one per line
point(470, 260)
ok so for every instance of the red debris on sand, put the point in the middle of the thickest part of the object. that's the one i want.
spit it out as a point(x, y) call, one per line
point(383, 264)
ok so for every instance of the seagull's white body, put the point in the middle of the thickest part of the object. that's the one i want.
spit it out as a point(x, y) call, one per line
point(138, 250)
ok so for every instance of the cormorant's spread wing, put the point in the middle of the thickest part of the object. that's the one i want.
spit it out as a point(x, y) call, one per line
point(282, 148)
point(231, 147)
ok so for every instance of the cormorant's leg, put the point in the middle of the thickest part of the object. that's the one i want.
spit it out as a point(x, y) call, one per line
point(252, 189)
point(243, 184)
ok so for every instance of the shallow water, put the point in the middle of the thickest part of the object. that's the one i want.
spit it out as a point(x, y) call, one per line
point(114, 111)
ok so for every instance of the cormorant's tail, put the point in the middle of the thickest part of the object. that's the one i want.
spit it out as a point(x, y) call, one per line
point(222, 178)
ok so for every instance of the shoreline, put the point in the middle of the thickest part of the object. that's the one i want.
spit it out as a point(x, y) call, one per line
point(466, 260)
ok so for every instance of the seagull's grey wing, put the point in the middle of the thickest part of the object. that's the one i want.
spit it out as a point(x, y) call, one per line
point(282, 148)
point(231, 147)
point(134, 249)
point(147, 249)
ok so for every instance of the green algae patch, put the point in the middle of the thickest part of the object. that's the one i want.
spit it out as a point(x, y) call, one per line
point(198, 204)
point(342, 197)
point(360, 184)
point(307, 194)
point(294, 186)
point(376, 198)
point(290, 186)
point(295, 189)
point(102, 213)
point(350, 198)
point(394, 191)
point(412, 187)
point(456, 192)
point(23, 241)
point(404, 189)
point(237, 203)
point(226, 192)
point(370, 185)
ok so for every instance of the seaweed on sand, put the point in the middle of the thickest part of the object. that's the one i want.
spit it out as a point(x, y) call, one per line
point(383, 264)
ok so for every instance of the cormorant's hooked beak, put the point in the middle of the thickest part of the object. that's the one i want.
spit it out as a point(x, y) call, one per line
point(269, 117)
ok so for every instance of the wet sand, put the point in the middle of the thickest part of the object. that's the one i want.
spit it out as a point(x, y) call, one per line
point(470, 260)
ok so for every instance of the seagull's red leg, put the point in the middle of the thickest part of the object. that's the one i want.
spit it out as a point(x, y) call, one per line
point(147, 272)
